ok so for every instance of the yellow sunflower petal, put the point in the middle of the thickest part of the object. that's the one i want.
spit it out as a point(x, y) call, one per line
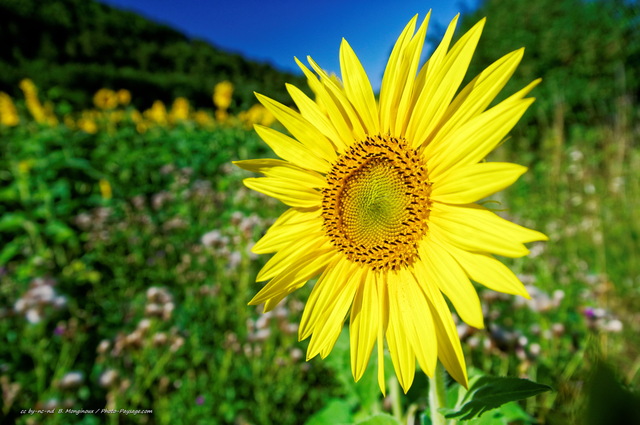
point(489, 222)
point(278, 237)
point(418, 321)
point(322, 295)
point(290, 255)
point(449, 348)
point(287, 191)
point(300, 128)
point(465, 185)
point(331, 320)
point(358, 88)
point(478, 94)
point(338, 96)
point(432, 65)
point(295, 215)
point(445, 272)
point(291, 150)
point(402, 354)
point(393, 78)
point(479, 136)
point(283, 170)
point(327, 104)
point(294, 276)
point(363, 327)
point(312, 113)
point(383, 308)
point(488, 271)
point(407, 71)
point(441, 85)
point(452, 224)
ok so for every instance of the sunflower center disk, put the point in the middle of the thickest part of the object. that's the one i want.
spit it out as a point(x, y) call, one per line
point(376, 204)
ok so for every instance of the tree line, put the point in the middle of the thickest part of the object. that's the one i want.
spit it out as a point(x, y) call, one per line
point(72, 48)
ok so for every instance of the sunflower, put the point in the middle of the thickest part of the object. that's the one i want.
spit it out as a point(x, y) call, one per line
point(382, 196)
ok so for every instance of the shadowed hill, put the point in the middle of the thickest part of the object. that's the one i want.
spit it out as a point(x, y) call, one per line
point(71, 48)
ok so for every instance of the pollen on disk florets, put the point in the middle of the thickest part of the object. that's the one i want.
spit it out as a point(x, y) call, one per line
point(376, 203)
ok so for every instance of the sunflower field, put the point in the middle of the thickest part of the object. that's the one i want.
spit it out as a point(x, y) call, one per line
point(126, 269)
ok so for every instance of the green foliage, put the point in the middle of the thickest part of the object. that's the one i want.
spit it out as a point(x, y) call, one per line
point(609, 401)
point(379, 419)
point(82, 46)
point(143, 294)
point(586, 52)
point(490, 392)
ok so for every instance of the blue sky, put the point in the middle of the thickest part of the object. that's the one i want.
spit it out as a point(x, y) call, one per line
point(276, 31)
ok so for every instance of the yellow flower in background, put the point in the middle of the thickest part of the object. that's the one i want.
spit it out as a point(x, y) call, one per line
point(34, 106)
point(179, 110)
point(124, 97)
point(28, 87)
point(382, 196)
point(116, 116)
point(257, 114)
point(222, 95)
point(69, 122)
point(157, 113)
point(138, 120)
point(87, 123)
point(136, 116)
point(203, 119)
point(25, 166)
point(105, 189)
point(105, 99)
point(50, 116)
point(8, 113)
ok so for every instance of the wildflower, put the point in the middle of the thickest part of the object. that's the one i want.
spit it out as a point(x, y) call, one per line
point(71, 380)
point(25, 166)
point(257, 114)
point(87, 123)
point(179, 110)
point(157, 113)
point(105, 99)
point(108, 378)
point(105, 189)
point(34, 106)
point(123, 96)
point(222, 93)
point(203, 119)
point(382, 202)
point(8, 113)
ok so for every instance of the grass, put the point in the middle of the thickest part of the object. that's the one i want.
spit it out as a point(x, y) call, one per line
point(137, 299)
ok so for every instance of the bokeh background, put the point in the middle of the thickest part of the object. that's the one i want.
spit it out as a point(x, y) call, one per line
point(125, 232)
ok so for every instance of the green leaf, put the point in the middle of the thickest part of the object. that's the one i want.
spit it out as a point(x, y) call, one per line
point(510, 413)
point(10, 250)
point(12, 221)
point(379, 419)
point(335, 412)
point(490, 392)
point(9, 194)
point(59, 232)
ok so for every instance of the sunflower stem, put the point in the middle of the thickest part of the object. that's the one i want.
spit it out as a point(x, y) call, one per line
point(437, 396)
point(394, 393)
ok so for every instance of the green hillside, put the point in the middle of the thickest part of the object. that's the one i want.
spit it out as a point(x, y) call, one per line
point(586, 52)
point(82, 45)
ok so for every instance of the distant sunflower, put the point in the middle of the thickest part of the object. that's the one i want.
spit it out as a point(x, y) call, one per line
point(382, 196)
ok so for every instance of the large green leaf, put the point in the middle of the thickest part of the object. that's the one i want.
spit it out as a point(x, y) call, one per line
point(10, 250)
point(335, 412)
point(490, 392)
point(379, 419)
